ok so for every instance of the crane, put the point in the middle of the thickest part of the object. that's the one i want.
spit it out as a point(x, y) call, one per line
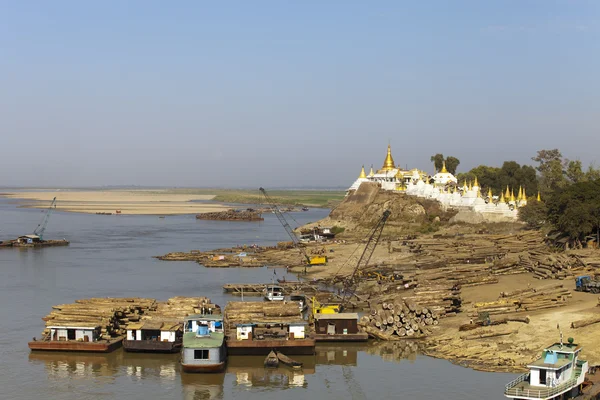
point(315, 260)
point(363, 261)
point(39, 231)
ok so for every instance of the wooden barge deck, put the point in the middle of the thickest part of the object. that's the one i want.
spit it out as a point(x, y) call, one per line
point(263, 347)
point(350, 337)
point(100, 346)
point(151, 346)
point(257, 289)
point(45, 243)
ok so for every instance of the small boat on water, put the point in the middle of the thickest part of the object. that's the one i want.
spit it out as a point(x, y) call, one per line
point(289, 361)
point(271, 361)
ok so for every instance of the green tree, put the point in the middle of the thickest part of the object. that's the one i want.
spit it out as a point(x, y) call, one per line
point(534, 214)
point(575, 172)
point(452, 164)
point(575, 209)
point(438, 161)
point(552, 170)
point(592, 173)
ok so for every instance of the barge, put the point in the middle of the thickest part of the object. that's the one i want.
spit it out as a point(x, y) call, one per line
point(33, 241)
point(154, 336)
point(258, 338)
point(76, 338)
point(338, 327)
point(558, 374)
point(203, 344)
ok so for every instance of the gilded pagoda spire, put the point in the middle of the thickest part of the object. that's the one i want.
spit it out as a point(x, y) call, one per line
point(524, 196)
point(520, 195)
point(362, 173)
point(476, 183)
point(538, 196)
point(470, 186)
point(490, 196)
point(507, 193)
point(502, 199)
point(512, 195)
point(444, 170)
point(371, 173)
point(388, 164)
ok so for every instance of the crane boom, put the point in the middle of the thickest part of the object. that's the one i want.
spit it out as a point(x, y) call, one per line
point(280, 217)
point(39, 231)
point(363, 261)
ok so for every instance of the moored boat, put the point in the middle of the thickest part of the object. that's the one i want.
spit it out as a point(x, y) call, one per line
point(203, 344)
point(271, 361)
point(76, 338)
point(274, 293)
point(558, 374)
point(300, 299)
point(288, 361)
point(338, 327)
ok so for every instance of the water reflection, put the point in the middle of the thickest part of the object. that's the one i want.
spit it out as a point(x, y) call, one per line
point(243, 371)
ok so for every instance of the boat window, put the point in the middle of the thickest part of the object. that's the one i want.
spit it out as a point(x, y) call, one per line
point(71, 334)
point(201, 354)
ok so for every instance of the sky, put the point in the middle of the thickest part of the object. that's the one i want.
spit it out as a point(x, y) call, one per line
point(289, 93)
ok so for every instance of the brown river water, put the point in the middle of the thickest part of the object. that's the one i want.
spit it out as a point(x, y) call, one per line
point(111, 256)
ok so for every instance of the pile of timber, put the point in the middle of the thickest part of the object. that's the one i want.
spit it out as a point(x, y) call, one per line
point(260, 312)
point(529, 299)
point(177, 308)
point(546, 265)
point(231, 215)
point(400, 319)
point(111, 314)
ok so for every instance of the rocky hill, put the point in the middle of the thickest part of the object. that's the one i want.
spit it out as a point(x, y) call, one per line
point(361, 210)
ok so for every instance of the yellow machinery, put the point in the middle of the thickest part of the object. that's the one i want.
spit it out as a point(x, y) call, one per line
point(317, 260)
point(318, 308)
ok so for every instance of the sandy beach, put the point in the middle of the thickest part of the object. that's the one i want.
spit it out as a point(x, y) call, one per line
point(137, 202)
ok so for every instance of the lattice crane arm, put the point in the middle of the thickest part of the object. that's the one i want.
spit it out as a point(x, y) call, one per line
point(41, 228)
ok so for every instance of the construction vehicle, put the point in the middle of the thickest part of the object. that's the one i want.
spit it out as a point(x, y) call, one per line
point(586, 283)
point(41, 228)
point(363, 261)
point(310, 260)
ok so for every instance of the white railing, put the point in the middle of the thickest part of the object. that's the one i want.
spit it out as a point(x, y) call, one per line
point(520, 378)
point(540, 393)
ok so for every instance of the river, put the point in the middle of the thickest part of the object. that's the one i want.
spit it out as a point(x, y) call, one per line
point(111, 256)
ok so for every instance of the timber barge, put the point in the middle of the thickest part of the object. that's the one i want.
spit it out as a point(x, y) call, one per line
point(32, 241)
point(256, 328)
point(338, 327)
point(154, 337)
point(76, 338)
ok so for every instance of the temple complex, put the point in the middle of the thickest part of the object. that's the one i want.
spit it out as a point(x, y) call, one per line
point(444, 187)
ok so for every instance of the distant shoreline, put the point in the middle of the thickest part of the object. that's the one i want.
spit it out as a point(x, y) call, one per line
point(162, 201)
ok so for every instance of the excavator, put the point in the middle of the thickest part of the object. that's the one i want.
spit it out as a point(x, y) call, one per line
point(310, 260)
point(363, 261)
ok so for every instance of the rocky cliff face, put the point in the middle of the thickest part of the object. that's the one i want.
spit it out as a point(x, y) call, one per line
point(361, 210)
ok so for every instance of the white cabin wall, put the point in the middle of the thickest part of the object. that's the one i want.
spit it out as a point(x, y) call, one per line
point(534, 378)
point(298, 331)
point(242, 332)
point(167, 335)
point(130, 335)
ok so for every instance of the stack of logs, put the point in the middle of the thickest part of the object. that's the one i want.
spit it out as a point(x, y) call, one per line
point(551, 266)
point(179, 307)
point(530, 299)
point(111, 314)
point(259, 312)
point(114, 314)
point(400, 319)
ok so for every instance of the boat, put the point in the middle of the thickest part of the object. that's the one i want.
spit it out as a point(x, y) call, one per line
point(304, 208)
point(289, 361)
point(76, 337)
point(557, 374)
point(274, 293)
point(272, 361)
point(300, 299)
point(203, 344)
point(338, 327)
point(154, 336)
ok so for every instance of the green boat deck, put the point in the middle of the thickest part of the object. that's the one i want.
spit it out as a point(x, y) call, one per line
point(214, 340)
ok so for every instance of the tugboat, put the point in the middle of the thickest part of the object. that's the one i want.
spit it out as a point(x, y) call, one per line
point(203, 344)
point(558, 374)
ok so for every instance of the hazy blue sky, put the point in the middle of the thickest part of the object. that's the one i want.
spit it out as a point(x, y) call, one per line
point(289, 93)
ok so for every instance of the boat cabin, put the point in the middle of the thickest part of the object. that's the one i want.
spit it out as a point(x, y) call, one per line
point(281, 331)
point(300, 299)
point(78, 333)
point(203, 344)
point(29, 239)
point(557, 372)
point(274, 293)
point(336, 324)
point(155, 330)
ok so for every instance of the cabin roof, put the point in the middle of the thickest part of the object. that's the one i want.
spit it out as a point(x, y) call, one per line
point(539, 363)
point(30, 236)
point(191, 341)
point(353, 316)
point(73, 325)
point(152, 325)
point(135, 325)
point(206, 317)
point(565, 348)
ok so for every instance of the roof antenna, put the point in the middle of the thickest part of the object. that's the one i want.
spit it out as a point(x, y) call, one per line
point(561, 336)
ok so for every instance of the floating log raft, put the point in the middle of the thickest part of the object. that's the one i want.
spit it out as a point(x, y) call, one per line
point(401, 318)
point(231, 215)
point(260, 312)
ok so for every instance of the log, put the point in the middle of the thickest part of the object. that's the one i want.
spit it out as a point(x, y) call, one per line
point(584, 322)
